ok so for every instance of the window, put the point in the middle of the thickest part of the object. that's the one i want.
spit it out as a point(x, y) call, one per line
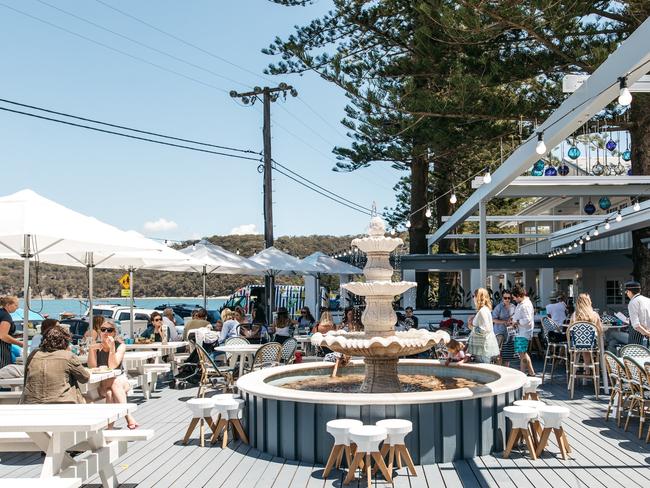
point(614, 295)
point(124, 316)
point(141, 316)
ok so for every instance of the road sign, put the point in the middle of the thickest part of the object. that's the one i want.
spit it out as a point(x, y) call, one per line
point(125, 281)
point(126, 293)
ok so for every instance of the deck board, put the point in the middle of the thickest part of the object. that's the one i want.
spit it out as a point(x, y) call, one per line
point(604, 456)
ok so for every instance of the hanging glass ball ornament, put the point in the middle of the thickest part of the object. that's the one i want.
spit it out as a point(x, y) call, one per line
point(627, 155)
point(539, 165)
point(598, 169)
point(537, 172)
point(611, 145)
point(550, 171)
point(590, 208)
point(604, 203)
point(563, 170)
point(611, 170)
point(620, 169)
point(574, 152)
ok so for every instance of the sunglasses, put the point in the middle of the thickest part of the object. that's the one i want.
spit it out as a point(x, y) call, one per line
point(507, 298)
point(104, 329)
point(157, 320)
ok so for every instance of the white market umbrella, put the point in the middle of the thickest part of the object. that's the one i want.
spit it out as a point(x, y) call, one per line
point(216, 259)
point(32, 226)
point(278, 262)
point(328, 265)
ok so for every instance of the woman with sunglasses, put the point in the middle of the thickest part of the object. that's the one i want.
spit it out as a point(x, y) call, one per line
point(156, 329)
point(110, 353)
point(501, 316)
point(306, 321)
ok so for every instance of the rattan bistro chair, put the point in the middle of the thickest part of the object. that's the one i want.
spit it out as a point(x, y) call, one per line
point(212, 374)
point(266, 356)
point(555, 351)
point(640, 391)
point(288, 354)
point(619, 384)
point(582, 338)
point(634, 351)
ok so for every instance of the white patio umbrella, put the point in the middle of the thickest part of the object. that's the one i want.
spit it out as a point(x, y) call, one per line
point(32, 226)
point(216, 259)
point(276, 263)
point(328, 265)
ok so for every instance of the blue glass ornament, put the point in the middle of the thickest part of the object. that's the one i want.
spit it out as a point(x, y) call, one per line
point(550, 171)
point(590, 208)
point(574, 152)
point(611, 145)
point(539, 165)
point(537, 172)
point(563, 170)
point(629, 172)
point(627, 155)
point(604, 203)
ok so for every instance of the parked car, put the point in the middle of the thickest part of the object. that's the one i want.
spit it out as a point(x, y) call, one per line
point(141, 317)
point(78, 327)
point(185, 310)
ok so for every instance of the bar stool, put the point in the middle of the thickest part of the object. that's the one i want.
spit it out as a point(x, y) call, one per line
point(552, 416)
point(201, 409)
point(229, 411)
point(367, 438)
point(535, 425)
point(530, 388)
point(520, 417)
point(397, 430)
point(340, 430)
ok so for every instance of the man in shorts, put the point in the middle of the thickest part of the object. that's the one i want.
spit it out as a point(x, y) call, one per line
point(524, 319)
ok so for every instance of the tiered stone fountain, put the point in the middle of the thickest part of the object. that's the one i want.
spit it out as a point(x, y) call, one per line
point(379, 344)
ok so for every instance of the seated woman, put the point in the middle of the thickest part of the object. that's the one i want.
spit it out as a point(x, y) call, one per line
point(282, 327)
point(53, 372)
point(324, 325)
point(255, 332)
point(156, 330)
point(110, 353)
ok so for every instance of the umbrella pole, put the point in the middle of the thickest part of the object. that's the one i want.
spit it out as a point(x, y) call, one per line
point(270, 297)
point(26, 255)
point(131, 302)
point(205, 296)
point(91, 288)
point(319, 298)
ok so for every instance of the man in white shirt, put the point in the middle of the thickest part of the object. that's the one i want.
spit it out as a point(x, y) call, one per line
point(524, 318)
point(556, 310)
point(638, 308)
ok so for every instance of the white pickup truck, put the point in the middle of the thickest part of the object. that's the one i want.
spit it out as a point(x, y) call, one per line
point(122, 315)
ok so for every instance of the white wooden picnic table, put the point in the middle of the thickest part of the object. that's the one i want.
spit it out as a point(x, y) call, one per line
point(168, 349)
point(245, 352)
point(56, 429)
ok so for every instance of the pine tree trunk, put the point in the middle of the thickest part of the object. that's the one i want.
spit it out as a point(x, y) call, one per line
point(640, 146)
point(419, 222)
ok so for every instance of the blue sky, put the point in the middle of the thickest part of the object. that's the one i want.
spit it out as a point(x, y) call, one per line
point(181, 194)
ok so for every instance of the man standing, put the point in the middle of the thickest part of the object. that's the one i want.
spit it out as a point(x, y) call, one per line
point(639, 310)
point(411, 320)
point(524, 318)
point(556, 310)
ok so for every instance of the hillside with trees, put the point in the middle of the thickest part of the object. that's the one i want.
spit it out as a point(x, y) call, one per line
point(67, 282)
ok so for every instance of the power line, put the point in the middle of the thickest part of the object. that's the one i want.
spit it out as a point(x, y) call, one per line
point(121, 134)
point(111, 48)
point(157, 134)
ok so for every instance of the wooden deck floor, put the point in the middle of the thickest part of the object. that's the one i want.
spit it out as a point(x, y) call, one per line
point(603, 456)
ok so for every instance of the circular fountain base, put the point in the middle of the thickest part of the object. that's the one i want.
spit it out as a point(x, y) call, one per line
point(448, 424)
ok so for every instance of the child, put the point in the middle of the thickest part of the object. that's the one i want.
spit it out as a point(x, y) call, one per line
point(456, 352)
point(449, 323)
point(339, 360)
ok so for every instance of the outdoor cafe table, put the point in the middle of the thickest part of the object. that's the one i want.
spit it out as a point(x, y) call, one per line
point(56, 429)
point(245, 352)
point(93, 382)
point(168, 349)
point(305, 343)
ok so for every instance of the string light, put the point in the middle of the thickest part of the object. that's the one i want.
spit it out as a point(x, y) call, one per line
point(408, 224)
point(619, 217)
point(607, 225)
point(453, 199)
point(581, 241)
point(392, 232)
point(587, 237)
point(596, 232)
point(637, 206)
point(575, 244)
point(487, 179)
point(427, 214)
point(624, 95)
point(541, 147)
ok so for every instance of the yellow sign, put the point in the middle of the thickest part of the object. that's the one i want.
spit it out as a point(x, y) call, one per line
point(125, 281)
point(126, 293)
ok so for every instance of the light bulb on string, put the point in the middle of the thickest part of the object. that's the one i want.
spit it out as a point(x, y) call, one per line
point(541, 147)
point(575, 244)
point(581, 241)
point(453, 199)
point(596, 232)
point(587, 237)
point(408, 224)
point(607, 225)
point(619, 217)
point(392, 232)
point(427, 214)
point(624, 95)
point(487, 179)
point(637, 206)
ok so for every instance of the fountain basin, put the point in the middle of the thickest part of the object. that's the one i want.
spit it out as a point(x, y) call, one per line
point(405, 343)
point(450, 424)
point(379, 288)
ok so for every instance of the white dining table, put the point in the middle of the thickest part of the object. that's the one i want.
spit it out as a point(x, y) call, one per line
point(56, 429)
point(168, 349)
point(305, 344)
point(245, 352)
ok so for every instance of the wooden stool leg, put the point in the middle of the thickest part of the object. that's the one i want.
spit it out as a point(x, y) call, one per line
point(530, 444)
point(382, 466)
point(224, 438)
point(218, 428)
point(353, 467)
point(330, 461)
point(368, 470)
point(560, 443)
point(339, 458)
point(348, 455)
point(385, 448)
point(398, 457)
point(409, 460)
point(201, 432)
point(514, 437)
point(236, 423)
point(190, 429)
point(211, 424)
point(391, 458)
point(543, 441)
point(565, 440)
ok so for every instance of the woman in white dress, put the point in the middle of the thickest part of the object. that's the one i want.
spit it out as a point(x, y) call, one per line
point(482, 341)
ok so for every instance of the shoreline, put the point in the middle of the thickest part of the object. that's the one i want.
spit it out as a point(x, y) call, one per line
point(223, 297)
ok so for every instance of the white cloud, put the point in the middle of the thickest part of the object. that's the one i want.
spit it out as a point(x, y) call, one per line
point(160, 225)
point(244, 229)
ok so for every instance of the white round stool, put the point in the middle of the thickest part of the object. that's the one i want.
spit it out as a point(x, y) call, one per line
point(340, 430)
point(201, 409)
point(530, 388)
point(367, 438)
point(229, 414)
point(520, 417)
point(551, 417)
point(395, 446)
point(535, 426)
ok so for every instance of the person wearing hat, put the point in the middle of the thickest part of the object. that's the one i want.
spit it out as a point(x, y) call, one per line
point(282, 327)
point(557, 310)
point(638, 308)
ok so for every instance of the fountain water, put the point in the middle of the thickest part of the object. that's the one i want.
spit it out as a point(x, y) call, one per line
point(379, 344)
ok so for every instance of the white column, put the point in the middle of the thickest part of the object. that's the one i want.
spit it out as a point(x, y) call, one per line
point(343, 294)
point(475, 280)
point(408, 298)
point(311, 293)
point(546, 285)
point(482, 241)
